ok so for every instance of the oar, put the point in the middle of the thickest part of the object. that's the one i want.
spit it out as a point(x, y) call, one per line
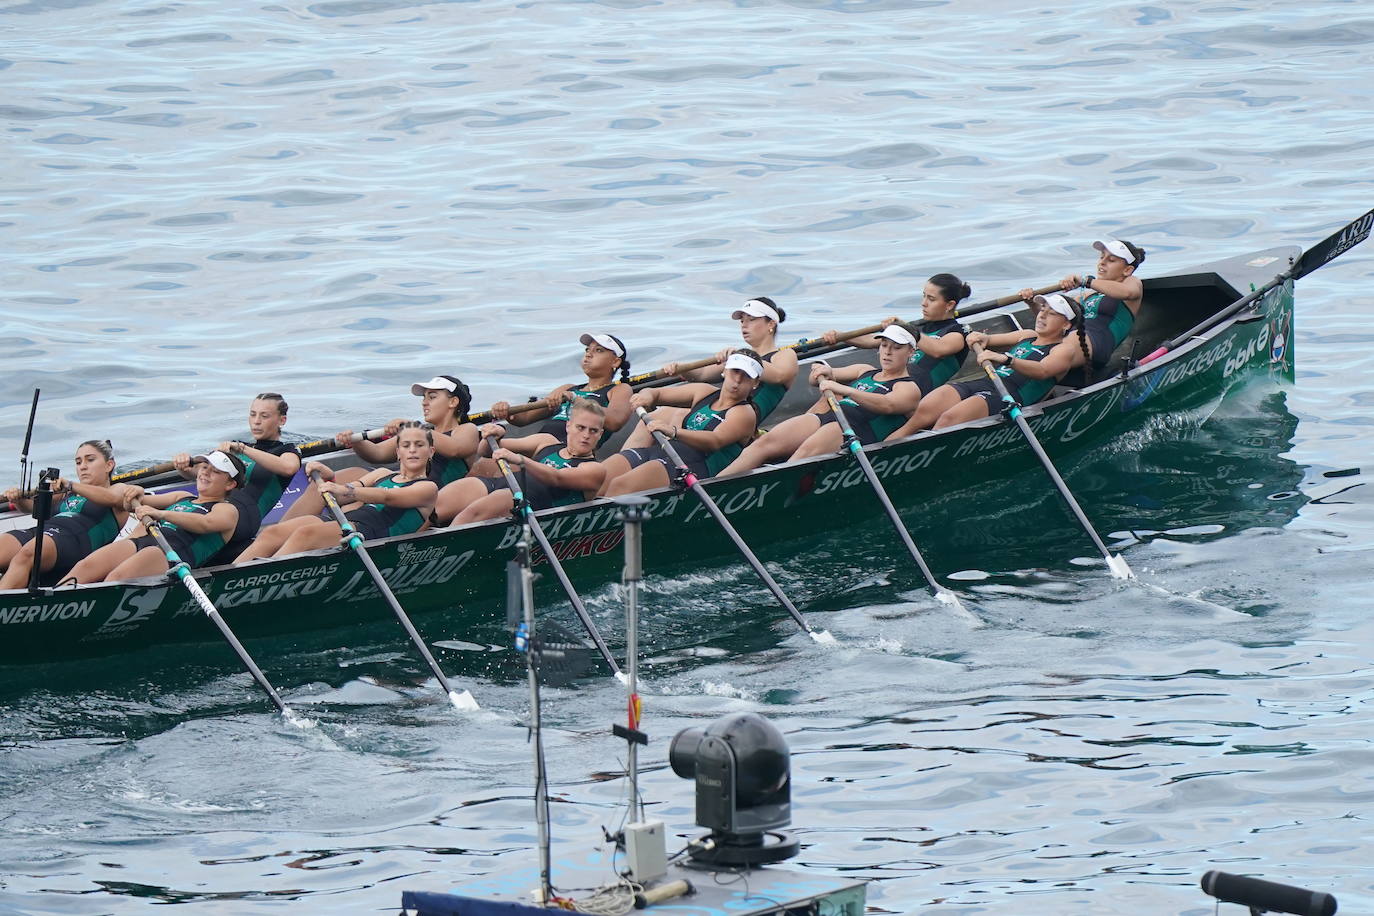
point(1325, 251)
point(851, 442)
point(1117, 564)
point(979, 307)
point(183, 572)
point(460, 699)
point(523, 510)
point(28, 438)
point(691, 481)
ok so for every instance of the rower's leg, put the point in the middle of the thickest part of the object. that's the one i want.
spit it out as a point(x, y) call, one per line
point(974, 408)
point(825, 441)
point(270, 539)
point(150, 561)
point(9, 546)
point(615, 466)
point(648, 476)
point(21, 566)
point(492, 505)
point(311, 536)
point(458, 495)
point(929, 410)
point(775, 445)
point(484, 467)
point(311, 503)
point(100, 563)
point(642, 438)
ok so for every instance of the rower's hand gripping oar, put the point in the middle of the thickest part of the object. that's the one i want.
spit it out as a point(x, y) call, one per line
point(461, 699)
point(854, 447)
point(183, 572)
point(1117, 564)
point(690, 480)
point(1325, 251)
point(524, 512)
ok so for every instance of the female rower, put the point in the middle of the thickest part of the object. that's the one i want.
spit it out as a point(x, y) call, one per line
point(1029, 368)
point(89, 516)
point(269, 466)
point(876, 401)
point(941, 344)
point(1110, 301)
point(554, 472)
point(758, 325)
point(382, 503)
point(444, 403)
point(717, 423)
point(602, 357)
point(196, 527)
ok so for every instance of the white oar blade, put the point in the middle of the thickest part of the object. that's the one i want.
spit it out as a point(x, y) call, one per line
point(463, 700)
point(1117, 564)
point(297, 720)
point(620, 676)
point(823, 637)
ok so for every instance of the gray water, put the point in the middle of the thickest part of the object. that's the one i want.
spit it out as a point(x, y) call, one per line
point(336, 199)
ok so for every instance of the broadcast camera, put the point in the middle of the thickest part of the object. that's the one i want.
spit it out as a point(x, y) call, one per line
point(743, 789)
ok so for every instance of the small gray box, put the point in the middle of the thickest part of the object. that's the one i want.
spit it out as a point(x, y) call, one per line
point(645, 851)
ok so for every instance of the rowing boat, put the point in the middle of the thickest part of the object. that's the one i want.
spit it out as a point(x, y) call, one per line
point(455, 576)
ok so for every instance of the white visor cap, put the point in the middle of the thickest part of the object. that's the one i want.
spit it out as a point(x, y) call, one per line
point(746, 364)
point(438, 383)
point(1119, 249)
point(755, 308)
point(898, 335)
point(1055, 303)
point(602, 340)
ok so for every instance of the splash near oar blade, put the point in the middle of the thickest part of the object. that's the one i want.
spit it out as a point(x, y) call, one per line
point(820, 636)
point(181, 571)
point(525, 513)
point(462, 700)
point(1115, 564)
point(851, 441)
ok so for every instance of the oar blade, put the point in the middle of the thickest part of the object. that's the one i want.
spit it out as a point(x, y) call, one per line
point(823, 637)
point(1335, 245)
point(463, 700)
point(1119, 568)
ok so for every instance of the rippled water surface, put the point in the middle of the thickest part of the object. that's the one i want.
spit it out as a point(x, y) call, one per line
point(335, 199)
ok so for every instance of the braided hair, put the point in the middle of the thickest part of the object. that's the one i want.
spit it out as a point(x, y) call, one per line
point(464, 396)
point(1078, 323)
point(624, 359)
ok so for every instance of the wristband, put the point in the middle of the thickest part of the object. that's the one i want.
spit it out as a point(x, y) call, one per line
point(1088, 281)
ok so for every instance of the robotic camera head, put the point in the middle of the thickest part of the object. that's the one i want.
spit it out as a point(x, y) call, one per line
point(743, 789)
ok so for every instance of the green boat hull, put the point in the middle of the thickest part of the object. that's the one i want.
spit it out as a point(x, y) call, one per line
point(452, 580)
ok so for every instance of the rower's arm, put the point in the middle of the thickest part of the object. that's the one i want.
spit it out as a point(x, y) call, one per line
point(414, 496)
point(618, 411)
point(460, 442)
point(528, 445)
point(586, 476)
point(164, 499)
point(375, 452)
point(680, 395)
point(111, 496)
point(739, 424)
point(1128, 289)
point(902, 399)
point(1061, 359)
point(221, 519)
point(942, 346)
point(781, 369)
point(1003, 341)
point(283, 465)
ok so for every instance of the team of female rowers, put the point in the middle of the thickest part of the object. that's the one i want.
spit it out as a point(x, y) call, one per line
point(452, 471)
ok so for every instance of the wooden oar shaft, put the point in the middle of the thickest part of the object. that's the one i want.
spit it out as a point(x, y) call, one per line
point(183, 572)
point(695, 485)
point(460, 699)
point(523, 507)
point(1116, 564)
point(979, 307)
